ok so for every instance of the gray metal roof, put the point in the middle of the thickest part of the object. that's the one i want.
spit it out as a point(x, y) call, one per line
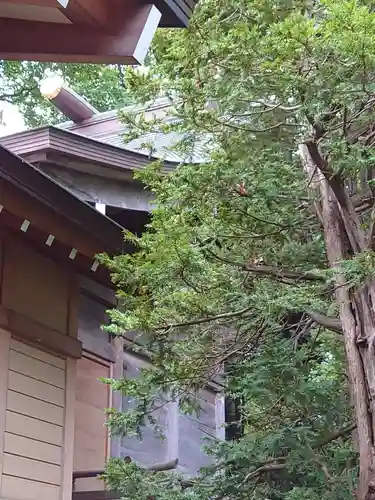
point(160, 146)
point(165, 146)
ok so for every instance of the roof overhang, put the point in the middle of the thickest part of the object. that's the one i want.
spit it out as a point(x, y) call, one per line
point(54, 144)
point(92, 31)
point(85, 221)
point(92, 170)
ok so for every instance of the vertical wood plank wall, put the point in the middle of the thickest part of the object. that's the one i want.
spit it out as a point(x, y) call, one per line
point(90, 433)
point(35, 415)
point(68, 443)
point(4, 363)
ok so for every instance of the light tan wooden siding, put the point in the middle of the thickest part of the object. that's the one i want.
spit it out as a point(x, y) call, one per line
point(39, 370)
point(29, 427)
point(16, 488)
point(38, 354)
point(34, 425)
point(90, 436)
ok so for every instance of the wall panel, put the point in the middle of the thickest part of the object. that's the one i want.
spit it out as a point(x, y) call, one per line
point(90, 433)
point(185, 435)
point(150, 449)
point(4, 362)
point(35, 286)
point(194, 431)
point(32, 444)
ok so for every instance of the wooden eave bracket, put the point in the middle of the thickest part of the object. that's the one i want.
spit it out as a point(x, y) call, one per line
point(32, 40)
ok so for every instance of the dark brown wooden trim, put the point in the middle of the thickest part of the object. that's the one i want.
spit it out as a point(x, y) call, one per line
point(94, 13)
point(95, 495)
point(175, 12)
point(109, 16)
point(97, 358)
point(2, 260)
point(38, 334)
point(97, 291)
point(72, 319)
point(33, 40)
point(51, 139)
point(104, 357)
point(58, 252)
point(72, 105)
point(40, 3)
point(28, 184)
point(117, 373)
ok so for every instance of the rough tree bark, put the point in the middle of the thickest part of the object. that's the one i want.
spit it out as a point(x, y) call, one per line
point(341, 226)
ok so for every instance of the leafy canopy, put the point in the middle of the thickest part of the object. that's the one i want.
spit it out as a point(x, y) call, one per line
point(103, 86)
point(232, 272)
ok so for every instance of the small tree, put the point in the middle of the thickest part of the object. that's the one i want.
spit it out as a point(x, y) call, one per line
point(261, 256)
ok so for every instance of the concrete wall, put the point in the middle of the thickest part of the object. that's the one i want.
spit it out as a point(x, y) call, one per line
point(151, 449)
point(193, 432)
point(185, 435)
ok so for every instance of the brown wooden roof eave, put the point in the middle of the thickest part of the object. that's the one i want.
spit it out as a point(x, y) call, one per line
point(31, 180)
point(80, 146)
point(112, 155)
point(117, 32)
point(175, 13)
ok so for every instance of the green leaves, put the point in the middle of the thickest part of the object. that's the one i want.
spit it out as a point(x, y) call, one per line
point(101, 85)
point(241, 232)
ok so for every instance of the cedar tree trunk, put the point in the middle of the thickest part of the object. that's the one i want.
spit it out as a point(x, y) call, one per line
point(344, 237)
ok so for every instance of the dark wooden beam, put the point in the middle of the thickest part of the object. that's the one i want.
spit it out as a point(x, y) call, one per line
point(69, 150)
point(29, 40)
point(175, 13)
point(71, 104)
point(95, 495)
point(41, 3)
point(32, 331)
point(57, 252)
point(97, 13)
point(27, 192)
point(24, 207)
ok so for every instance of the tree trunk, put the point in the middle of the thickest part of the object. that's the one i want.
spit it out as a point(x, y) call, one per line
point(341, 225)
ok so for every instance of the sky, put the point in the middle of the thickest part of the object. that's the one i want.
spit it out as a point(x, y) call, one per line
point(12, 119)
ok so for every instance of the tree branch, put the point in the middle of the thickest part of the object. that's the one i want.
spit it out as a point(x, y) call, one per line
point(327, 322)
point(199, 321)
point(277, 126)
point(10, 97)
point(348, 215)
point(280, 462)
point(263, 469)
point(264, 466)
point(335, 435)
point(282, 275)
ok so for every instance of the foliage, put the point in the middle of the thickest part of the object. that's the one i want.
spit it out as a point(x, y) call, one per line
point(233, 268)
point(101, 85)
